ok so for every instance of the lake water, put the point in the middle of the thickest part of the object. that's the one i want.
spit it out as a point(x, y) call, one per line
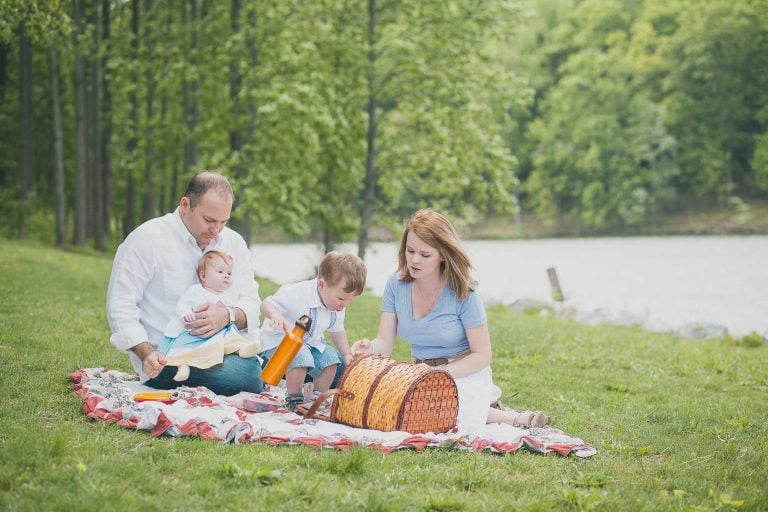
point(666, 282)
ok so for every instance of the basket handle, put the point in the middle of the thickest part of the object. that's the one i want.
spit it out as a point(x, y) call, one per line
point(322, 398)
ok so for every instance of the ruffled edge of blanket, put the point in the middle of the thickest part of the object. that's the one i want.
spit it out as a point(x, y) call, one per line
point(244, 431)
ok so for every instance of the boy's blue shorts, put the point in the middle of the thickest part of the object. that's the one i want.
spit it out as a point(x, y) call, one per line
point(310, 358)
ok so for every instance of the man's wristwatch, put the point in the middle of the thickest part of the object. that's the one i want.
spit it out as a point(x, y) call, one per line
point(232, 316)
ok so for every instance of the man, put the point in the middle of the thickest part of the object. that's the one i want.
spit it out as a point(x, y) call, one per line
point(153, 267)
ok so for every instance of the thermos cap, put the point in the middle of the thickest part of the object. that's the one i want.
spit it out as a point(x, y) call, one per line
point(304, 322)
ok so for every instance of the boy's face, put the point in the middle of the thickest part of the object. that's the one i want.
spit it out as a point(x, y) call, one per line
point(333, 296)
point(217, 275)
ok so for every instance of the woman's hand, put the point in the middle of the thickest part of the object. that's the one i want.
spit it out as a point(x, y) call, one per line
point(362, 347)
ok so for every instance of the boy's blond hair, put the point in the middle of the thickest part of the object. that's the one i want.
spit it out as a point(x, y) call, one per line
point(343, 268)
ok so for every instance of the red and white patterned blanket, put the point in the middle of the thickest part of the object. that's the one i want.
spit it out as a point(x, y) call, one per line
point(108, 396)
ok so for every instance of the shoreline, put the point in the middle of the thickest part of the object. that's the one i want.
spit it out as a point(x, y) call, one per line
point(566, 310)
point(745, 219)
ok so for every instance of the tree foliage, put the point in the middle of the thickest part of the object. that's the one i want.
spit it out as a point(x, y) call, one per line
point(607, 113)
point(641, 105)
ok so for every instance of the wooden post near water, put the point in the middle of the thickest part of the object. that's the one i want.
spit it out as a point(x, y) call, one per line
point(554, 283)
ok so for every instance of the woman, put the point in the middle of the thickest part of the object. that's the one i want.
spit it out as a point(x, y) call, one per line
point(431, 302)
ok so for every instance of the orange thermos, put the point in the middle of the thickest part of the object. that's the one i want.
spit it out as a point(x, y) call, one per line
point(285, 352)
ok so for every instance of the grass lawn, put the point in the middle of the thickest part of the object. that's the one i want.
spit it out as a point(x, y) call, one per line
point(678, 424)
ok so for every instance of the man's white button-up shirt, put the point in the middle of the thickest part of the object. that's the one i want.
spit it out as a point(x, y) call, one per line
point(154, 266)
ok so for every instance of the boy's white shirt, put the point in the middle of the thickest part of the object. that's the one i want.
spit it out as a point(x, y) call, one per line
point(297, 299)
point(192, 298)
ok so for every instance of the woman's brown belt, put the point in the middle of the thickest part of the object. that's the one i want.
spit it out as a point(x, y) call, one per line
point(439, 361)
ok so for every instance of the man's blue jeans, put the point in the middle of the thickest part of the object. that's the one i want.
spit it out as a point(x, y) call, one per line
point(234, 375)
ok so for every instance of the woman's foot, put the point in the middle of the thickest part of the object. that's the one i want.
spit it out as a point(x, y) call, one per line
point(519, 419)
point(529, 419)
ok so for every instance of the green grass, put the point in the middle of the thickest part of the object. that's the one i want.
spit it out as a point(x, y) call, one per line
point(678, 424)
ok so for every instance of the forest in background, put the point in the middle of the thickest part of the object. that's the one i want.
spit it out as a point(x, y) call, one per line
point(335, 118)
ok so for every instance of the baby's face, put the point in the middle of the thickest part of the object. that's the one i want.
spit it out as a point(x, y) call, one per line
point(333, 296)
point(217, 276)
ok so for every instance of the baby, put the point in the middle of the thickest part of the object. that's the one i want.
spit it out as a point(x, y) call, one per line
point(182, 348)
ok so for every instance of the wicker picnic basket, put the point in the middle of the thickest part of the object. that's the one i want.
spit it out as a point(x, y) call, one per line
point(380, 393)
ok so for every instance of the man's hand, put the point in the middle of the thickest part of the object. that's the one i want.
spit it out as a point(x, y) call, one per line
point(209, 319)
point(153, 364)
point(152, 361)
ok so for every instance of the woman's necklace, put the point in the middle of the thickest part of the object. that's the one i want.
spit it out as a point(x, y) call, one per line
point(428, 300)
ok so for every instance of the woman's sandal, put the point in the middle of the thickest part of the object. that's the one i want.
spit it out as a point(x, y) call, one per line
point(530, 419)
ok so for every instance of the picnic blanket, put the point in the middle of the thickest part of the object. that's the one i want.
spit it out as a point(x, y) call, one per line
point(108, 396)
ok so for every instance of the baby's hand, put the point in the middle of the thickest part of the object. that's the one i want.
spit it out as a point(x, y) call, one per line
point(362, 347)
point(189, 317)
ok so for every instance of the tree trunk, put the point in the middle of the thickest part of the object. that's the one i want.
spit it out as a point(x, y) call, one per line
point(58, 151)
point(191, 90)
point(329, 243)
point(149, 197)
point(106, 119)
point(174, 194)
point(369, 190)
point(235, 81)
point(4, 172)
point(168, 159)
point(241, 223)
point(129, 215)
point(94, 129)
point(81, 148)
point(26, 162)
point(246, 225)
point(253, 55)
point(3, 70)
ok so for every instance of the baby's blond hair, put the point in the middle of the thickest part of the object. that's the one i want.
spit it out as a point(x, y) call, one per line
point(209, 256)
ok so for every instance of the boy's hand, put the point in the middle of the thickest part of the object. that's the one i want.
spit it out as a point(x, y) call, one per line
point(348, 358)
point(189, 317)
point(280, 323)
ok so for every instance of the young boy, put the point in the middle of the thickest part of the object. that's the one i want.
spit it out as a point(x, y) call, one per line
point(340, 278)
